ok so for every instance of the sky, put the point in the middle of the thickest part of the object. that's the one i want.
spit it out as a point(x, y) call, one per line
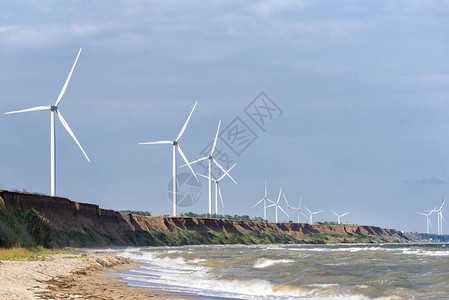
point(357, 95)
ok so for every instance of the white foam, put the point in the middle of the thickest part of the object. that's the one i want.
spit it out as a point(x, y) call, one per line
point(266, 262)
point(425, 253)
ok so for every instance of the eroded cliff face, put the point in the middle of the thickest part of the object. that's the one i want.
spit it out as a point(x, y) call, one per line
point(65, 215)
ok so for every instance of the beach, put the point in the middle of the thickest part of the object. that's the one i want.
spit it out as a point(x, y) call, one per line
point(87, 275)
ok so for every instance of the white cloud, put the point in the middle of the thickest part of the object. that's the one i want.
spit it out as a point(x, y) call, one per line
point(266, 8)
point(44, 36)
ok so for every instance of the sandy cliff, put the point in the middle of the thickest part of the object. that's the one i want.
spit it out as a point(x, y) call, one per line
point(69, 216)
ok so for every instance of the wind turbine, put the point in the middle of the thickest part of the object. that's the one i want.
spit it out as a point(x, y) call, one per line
point(440, 217)
point(264, 199)
point(298, 209)
point(311, 214)
point(176, 147)
point(428, 219)
point(288, 208)
point(54, 110)
point(339, 216)
point(211, 159)
point(277, 205)
point(217, 187)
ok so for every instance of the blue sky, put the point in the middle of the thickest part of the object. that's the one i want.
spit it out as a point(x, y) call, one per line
point(363, 87)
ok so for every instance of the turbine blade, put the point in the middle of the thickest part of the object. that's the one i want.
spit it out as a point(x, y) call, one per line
point(68, 79)
point(187, 122)
point(307, 209)
point(219, 193)
point(271, 205)
point(345, 214)
point(422, 214)
point(196, 161)
point(202, 175)
point(226, 173)
point(334, 212)
point(37, 108)
point(186, 161)
point(285, 198)
point(67, 127)
point(157, 143)
point(317, 212)
point(279, 197)
point(216, 137)
point(280, 207)
point(258, 203)
point(265, 188)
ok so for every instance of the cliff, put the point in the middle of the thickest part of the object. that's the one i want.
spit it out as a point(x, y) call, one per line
point(84, 224)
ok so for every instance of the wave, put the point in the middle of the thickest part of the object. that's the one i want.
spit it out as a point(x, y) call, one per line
point(183, 275)
point(266, 262)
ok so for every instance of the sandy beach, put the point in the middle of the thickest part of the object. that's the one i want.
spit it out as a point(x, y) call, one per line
point(70, 276)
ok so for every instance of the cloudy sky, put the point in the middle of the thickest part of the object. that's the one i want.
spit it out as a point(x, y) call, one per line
point(361, 90)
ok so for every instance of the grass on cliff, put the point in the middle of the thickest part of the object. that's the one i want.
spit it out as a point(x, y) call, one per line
point(23, 228)
point(28, 253)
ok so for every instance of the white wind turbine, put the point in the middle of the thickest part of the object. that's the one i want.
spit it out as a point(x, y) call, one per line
point(211, 159)
point(54, 110)
point(217, 187)
point(311, 214)
point(176, 146)
point(264, 200)
point(277, 205)
point(440, 217)
point(339, 216)
point(298, 209)
point(429, 224)
point(288, 208)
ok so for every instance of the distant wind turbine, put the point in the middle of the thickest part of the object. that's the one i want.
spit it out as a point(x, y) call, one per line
point(429, 224)
point(54, 110)
point(217, 187)
point(339, 216)
point(211, 159)
point(264, 200)
point(277, 205)
point(297, 209)
point(311, 214)
point(440, 217)
point(290, 209)
point(177, 147)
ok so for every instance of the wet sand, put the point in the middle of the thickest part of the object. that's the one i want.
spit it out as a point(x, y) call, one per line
point(71, 276)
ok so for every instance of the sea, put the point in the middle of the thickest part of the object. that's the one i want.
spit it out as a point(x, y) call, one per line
point(361, 271)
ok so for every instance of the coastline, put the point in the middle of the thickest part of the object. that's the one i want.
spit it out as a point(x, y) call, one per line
point(88, 275)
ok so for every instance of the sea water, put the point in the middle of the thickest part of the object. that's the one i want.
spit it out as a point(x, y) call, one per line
point(382, 271)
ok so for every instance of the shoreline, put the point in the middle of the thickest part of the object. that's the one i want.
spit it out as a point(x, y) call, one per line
point(89, 275)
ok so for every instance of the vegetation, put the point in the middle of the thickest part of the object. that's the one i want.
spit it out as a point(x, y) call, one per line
point(23, 228)
point(27, 254)
point(432, 238)
point(218, 216)
point(137, 212)
point(77, 239)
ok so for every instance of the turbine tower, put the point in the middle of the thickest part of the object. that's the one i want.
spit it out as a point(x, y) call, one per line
point(440, 217)
point(264, 199)
point(176, 147)
point(339, 216)
point(54, 110)
point(277, 205)
point(429, 224)
point(211, 159)
point(311, 214)
point(217, 187)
